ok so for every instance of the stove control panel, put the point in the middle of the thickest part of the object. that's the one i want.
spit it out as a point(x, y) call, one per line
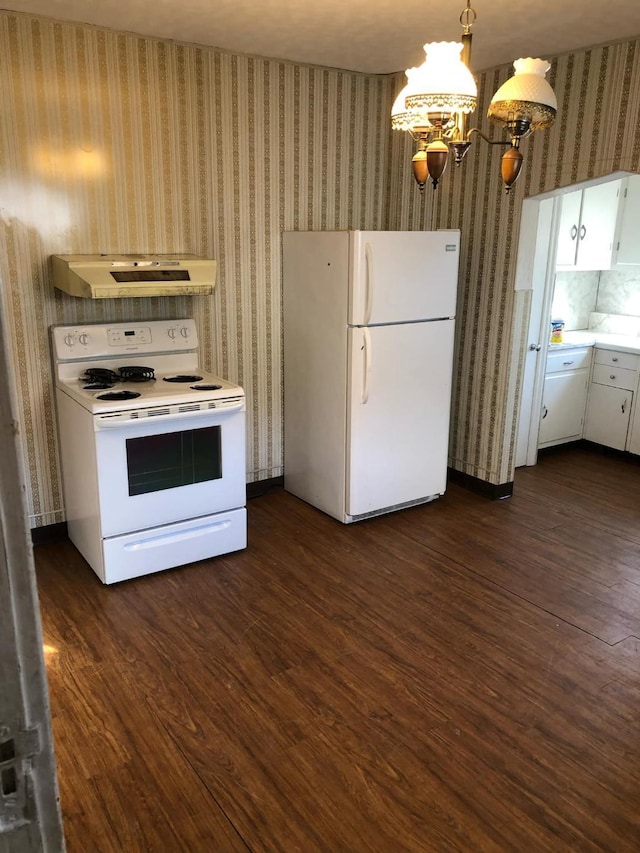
point(128, 335)
point(112, 339)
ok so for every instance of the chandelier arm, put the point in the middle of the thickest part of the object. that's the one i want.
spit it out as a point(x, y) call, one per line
point(486, 138)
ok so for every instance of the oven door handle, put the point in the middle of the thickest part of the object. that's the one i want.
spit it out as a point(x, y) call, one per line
point(122, 420)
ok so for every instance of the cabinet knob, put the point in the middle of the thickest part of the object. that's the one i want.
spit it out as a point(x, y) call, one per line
point(615, 358)
point(583, 231)
point(612, 376)
point(574, 232)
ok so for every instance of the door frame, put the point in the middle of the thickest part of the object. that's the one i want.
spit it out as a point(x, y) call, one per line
point(30, 818)
point(535, 272)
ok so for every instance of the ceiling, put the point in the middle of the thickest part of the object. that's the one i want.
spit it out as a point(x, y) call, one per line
point(373, 36)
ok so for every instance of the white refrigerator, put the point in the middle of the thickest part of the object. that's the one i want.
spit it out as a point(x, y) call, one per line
point(368, 352)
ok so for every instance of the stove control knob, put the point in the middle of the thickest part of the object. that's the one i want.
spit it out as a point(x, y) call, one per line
point(184, 331)
point(172, 333)
point(69, 339)
point(84, 339)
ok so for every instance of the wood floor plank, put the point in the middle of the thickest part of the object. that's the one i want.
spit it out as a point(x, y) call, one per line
point(458, 676)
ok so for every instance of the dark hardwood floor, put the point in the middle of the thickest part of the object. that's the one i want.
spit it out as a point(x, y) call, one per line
point(462, 676)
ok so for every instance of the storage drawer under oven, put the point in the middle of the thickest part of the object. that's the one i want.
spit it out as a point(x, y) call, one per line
point(146, 551)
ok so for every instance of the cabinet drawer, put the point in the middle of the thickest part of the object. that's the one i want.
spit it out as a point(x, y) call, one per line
point(628, 360)
point(568, 359)
point(615, 377)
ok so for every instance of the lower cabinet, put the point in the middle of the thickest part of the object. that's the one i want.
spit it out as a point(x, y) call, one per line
point(614, 382)
point(608, 416)
point(633, 439)
point(601, 404)
point(564, 397)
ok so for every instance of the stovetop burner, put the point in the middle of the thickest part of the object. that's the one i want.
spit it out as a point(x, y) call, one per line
point(182, 378)
point(97, 386)
point(118, 395)
point(101, 375)
point(135, 373)
point(106, 378)
point(206, 387)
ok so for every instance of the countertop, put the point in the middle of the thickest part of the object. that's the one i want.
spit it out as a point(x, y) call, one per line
point(584, 338)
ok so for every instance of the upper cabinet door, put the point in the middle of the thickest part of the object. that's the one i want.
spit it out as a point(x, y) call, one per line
point(588, 227)
point(402, 276)
point(628, 246)
point(569, 229)
point(598, 226)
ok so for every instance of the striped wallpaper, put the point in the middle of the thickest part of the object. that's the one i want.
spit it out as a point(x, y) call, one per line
point(118, 143)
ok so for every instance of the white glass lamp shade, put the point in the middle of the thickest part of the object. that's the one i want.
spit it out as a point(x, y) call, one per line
point(527, 96)
point(443, 83)
point(401, 117)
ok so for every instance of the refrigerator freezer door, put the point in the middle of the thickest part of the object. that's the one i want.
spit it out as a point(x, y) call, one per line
point(402, 276)
point(399, 402)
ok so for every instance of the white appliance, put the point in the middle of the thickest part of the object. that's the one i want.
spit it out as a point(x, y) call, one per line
point(152, 448)
point(368, 350)
point(126, 276)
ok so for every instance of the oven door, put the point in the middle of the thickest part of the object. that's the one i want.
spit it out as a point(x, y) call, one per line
point(172, 467)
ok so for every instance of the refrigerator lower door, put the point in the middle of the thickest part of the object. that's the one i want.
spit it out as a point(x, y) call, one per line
point(398, 415)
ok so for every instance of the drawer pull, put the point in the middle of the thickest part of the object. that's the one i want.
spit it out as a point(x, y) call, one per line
point(612, 376)
point(623, 406)
point(545, 412)
point(567, 362)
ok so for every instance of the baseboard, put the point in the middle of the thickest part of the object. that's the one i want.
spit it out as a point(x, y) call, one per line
point(554, 449)
point(49, 534)
point(261, 487)
point(481, 487)
point(591, 447)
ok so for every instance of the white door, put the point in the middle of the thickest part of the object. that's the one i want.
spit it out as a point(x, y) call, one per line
point(398, 419)
point(535, 271)
point(402, 276)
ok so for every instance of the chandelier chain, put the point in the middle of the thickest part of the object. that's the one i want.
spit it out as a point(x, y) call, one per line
point(468, 18)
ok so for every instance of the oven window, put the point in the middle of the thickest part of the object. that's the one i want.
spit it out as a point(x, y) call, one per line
point(173, 459)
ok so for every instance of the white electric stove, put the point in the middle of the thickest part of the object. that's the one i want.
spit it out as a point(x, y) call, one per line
point(152, 448)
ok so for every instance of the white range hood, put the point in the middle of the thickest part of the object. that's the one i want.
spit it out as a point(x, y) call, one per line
point(126, 276)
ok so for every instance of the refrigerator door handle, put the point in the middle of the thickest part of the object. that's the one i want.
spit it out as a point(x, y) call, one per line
point(366, 346)
point(368, 305)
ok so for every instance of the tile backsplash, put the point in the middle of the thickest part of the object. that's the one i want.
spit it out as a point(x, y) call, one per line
point(577, 295)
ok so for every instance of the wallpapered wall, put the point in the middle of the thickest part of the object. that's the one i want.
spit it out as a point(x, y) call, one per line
point(597, 132)
point(115, 143)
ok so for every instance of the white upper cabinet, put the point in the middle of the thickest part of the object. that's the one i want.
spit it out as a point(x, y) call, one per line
point(586, 237)
point(627, 239)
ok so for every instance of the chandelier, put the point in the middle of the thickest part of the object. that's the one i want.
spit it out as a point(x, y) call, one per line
point(439, 96)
